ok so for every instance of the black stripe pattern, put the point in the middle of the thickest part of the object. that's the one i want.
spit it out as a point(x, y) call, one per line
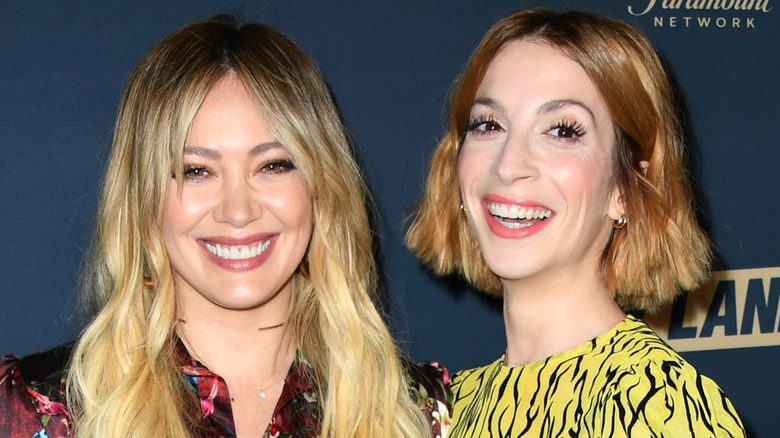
point(625, 383)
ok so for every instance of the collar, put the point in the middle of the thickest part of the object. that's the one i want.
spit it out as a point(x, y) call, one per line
point(212, 391)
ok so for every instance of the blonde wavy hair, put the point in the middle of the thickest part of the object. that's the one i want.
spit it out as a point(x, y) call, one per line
point(662, 249)
point(124, 380)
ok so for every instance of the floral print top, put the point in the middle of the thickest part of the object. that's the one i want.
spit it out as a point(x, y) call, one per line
point(32, 397)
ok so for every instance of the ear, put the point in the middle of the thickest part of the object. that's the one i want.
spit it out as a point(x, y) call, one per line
point(644, 165)
point(616, 209)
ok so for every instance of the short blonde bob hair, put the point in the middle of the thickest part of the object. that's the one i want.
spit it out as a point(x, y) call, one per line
point(662, 249)
point(123, 380)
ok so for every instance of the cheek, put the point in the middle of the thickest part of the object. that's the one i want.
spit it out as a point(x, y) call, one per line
point(294, 204)
point(588, 179)
point(173, 212)
point(180, 213)
point(469, 167)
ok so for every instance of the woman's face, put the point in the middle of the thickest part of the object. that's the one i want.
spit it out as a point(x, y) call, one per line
point(535, 166)
point(240, 226)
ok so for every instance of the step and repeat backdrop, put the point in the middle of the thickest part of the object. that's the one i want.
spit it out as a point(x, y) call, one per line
point(391, 66)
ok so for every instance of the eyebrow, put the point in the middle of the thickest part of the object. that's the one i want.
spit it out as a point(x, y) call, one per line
point(557, 104)
point(547, 107)
point(488, 102)
point(214, 154)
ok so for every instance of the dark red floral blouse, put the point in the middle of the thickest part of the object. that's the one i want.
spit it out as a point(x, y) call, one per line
point(32, 397)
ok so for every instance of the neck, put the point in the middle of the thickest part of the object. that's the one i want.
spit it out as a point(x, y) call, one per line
point(544, 317)
point(241, 345)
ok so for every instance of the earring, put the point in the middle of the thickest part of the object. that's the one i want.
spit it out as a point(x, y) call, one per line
point(147, 281)
point(620, 222)
point(462, 208)
point(304, 268)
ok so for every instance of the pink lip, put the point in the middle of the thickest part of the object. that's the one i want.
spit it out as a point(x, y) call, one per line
point(512, 233)
point(243, 264)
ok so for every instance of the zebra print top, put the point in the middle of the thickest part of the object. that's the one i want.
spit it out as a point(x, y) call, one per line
point(625, 383)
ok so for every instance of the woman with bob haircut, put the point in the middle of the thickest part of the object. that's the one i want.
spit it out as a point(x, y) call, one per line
point(232, 271)
point(560, 186)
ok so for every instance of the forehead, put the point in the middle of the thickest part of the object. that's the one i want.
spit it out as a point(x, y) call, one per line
point(534, 72)
point(229, 114)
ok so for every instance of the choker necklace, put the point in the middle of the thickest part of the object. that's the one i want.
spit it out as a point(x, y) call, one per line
point(260, 329)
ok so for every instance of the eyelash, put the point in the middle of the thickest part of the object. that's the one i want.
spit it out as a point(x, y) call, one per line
point(274, 167)
point(474, 124)
point(278, 166)
point(576, 130)
point(190, 172)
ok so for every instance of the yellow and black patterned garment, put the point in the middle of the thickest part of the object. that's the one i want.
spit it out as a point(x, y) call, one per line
point(624, 383)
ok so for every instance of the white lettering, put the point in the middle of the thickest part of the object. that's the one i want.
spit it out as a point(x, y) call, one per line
point(743, 5)
point(647, 9)
point(704, 21)
point(692, 4)
point(720, 22)
point(750, 23)
point(737, 5)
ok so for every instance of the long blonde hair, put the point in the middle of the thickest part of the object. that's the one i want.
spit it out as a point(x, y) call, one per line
point(662, 249)
point(123, 380)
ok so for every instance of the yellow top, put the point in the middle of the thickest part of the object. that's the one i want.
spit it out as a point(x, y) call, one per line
point(624, 383)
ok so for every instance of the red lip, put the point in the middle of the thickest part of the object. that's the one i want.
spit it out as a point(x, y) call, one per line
point(243, 264)
point(500, 229)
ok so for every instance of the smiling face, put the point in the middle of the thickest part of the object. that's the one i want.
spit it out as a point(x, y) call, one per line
point(535, 166)
point(240, 226)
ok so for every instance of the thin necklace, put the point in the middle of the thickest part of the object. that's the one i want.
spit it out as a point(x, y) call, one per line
point(262, 391)
point(260, 329)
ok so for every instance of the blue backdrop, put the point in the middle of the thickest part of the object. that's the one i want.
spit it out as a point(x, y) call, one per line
point(391, 66)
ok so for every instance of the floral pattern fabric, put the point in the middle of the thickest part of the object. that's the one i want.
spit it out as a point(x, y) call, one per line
point(32, 397)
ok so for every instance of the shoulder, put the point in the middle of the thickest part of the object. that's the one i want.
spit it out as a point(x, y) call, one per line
point(471, 379)
point(429, 379)
point(32, 390)
point(651, 386)
point(45, 371)
point(429, 383)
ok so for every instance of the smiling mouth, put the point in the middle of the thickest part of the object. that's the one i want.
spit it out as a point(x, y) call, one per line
point(240, 252)
point(515, 216)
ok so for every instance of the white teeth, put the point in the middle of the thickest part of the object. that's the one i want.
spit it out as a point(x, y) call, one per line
point(513, 225)
point(237, 252)
point(506, 211)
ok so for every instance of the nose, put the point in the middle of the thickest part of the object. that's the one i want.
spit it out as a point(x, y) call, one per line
point(237, 204)
point(515, 160)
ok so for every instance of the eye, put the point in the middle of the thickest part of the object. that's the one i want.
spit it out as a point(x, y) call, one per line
point(483, 125)
point(567, 130)
point(277, 166)
point(195, 173)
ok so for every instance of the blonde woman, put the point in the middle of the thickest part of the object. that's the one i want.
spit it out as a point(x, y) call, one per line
point(560, 186)
point(232, 268)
